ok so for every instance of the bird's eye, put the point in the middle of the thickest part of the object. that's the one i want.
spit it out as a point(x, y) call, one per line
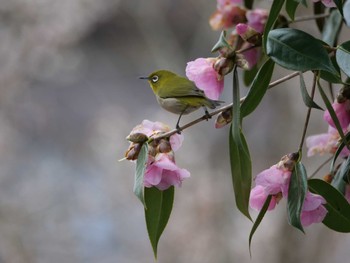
point(155, 78)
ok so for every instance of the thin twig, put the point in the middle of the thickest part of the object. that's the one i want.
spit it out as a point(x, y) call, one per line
point(217, 111)
point(308, 113)
point(306, 18)
point(320, 167)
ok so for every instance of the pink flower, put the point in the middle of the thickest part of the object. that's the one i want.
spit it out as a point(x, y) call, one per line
point(313, 210)
point(203, 74)
point(162, 172)
point(273, 181)
point(228, 14)
point(325, 143)
point(342, 110)
point(258, 197)
point(257, 19)
point(251, 56)
point(150, 129)
point(328, 3)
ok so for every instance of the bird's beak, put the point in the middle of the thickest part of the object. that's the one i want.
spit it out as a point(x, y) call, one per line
point(143, 78)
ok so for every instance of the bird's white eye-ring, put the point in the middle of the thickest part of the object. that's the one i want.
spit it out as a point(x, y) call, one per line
point(155, 78)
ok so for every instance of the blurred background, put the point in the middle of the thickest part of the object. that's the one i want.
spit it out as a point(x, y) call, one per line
point(70, 94)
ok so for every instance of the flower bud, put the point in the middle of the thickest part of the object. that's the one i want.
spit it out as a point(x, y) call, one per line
point(288, 161)
point(137, 137)
point(133, 151)
point(344, 94)
point(224, 118)
point(328, 178)
point(249, 34)
point(223, 66)
point(164, 146)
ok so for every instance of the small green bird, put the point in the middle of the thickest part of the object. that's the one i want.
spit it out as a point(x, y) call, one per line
point(178, 94)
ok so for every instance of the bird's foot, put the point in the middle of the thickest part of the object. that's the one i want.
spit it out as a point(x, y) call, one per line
point(178, 129)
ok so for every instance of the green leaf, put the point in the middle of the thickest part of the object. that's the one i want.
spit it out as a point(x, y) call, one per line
point(319, 9)
point(306, 97)
point(338, 180)
point(249, 75)
point(222, 43)
point(296, 195)
point(296, 50)
point(159, 205)
point(331, 77)
point(291, 7)
point(273, 15)
point(343, 57)
point(248, 4)
point(338, 151)
point(259, 219)
point(339, 4)
point(332, 27)
point(258, 88)
point(338, 216)
point(241, 167)
point(141, 163)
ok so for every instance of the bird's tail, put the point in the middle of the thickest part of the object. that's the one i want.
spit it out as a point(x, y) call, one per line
point(212, 104)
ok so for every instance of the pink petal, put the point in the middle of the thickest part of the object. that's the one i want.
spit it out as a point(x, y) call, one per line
point(153, 176)
point(202, 73)
point(342, 110)
point(164, 162)
point(314, 216)
point(176, 141)
point(274, 180)
point(258, 197)
point(257, 19)
point(312, 201)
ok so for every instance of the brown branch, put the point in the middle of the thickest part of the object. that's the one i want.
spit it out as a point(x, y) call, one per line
point(215, 112)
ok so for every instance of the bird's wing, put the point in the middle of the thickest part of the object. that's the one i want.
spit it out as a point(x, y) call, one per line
point(184, 88)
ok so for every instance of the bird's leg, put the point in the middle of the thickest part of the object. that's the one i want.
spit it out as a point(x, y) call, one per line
point(207, 115)
point(178, 121)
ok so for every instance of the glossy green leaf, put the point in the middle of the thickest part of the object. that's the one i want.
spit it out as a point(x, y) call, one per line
point(346, 11)
point(259, 219)
point(338, 180)
point(249, 75)
point(222, 43)
point(338, 151)
point(159, 206)
point(332, 27)
point(291, 7)
point(319, 8)
point(331, 77)
point(258, 88)
point(275, 10)
point(296, 50)
point(303, 2)
point(343, 57)
point(339, 4)
point(305, 95)
point(343, 172)
point(248, 4)
point(338, 216)
point(296, 195)
point(241, 167)
point(141, 163)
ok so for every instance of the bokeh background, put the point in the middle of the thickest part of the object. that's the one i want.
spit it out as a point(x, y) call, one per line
point(70, 94)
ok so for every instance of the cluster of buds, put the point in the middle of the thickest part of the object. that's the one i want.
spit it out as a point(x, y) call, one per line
point(161, 170)
point(275, 182)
